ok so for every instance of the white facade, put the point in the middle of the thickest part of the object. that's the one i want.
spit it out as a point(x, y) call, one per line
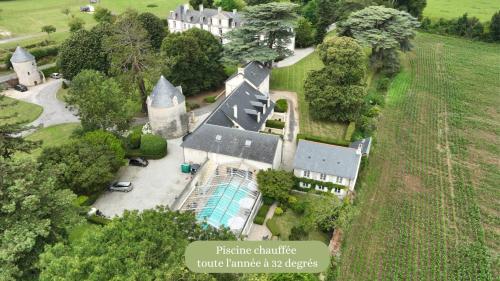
point(169, 122)
point(24, 65)
point(348, 183)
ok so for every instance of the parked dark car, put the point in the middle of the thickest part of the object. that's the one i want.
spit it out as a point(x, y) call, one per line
point(138, 161)
point(20, 88)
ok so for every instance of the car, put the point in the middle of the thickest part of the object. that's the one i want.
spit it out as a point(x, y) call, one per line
point(138, 161)
point(122, 186)
point(56, 75)
point(20, 88)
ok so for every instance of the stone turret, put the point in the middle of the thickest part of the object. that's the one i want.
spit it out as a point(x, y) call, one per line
point(167, 110)
point(24, 65)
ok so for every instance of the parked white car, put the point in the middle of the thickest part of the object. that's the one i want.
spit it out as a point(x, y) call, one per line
point(122, 186)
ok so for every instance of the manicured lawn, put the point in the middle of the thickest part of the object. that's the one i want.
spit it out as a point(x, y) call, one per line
point(290, 219)
point(18, 111)
point(51, 136)
point(292, 79)
point(482, 9)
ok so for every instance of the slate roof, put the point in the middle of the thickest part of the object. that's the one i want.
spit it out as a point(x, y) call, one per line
point(164, 92)
point(328, 159)
point(365, 145)
point(21, 55)
point(232, 142)
point(256, 72)
point(249, 101)
point(195, 17)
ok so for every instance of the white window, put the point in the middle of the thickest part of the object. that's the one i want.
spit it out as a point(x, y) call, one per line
point(339, 179)
point(218, 138)
point(307, 174)
point(248, 143)
point(322, 176)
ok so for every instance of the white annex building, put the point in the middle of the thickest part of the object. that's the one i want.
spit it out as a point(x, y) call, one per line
point(24, 65)
point(216, 21)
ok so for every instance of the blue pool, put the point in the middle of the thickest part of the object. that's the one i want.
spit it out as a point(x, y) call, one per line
point(223, 205)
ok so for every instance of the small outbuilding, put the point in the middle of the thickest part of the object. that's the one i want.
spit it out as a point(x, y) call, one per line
point(167, 110)
point(24, 65)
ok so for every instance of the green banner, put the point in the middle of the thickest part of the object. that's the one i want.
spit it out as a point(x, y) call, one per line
point(257, 256)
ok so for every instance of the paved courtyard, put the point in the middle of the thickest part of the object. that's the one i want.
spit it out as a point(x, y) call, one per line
point(157, 184)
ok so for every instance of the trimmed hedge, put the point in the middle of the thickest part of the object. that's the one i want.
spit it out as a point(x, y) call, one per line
point(209, 99)
point(273, 227)
point(322, 139)
point(281, 106)
point(153, 146)
point(134, 139)
point(259, 220)
point(261, 214)
point(350, 130)
point(328, 185)
point(275, 124)
point(267, 200)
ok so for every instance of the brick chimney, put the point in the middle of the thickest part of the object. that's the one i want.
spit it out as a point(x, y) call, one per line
point(201, 7)
point(235, 11)
point(219, 10)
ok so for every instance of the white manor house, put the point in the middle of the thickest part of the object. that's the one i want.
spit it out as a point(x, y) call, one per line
point(216, 21)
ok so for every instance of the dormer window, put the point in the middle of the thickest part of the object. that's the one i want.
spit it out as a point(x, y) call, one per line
point(248, 143)
point(218, 138)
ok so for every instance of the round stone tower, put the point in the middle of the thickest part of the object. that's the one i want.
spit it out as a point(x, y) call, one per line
point(24, 65)
point(167, 110)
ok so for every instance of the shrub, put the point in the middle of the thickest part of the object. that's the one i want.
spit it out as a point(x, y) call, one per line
point(153, 146)
point(263, 210)
point(281, 105)
point(298, 233)
point(209, 99)
point(259, 220)
point(278, 211)
point(322, 139)
point(273, 227)
point(134, 139)
point(82, 200)
point(191, 105)
point(299, 207)
point(152, 6)
point(98, 220)
point(350, 130)
point(275, 124)
point(383, 84)
point(267, 200)
point(292, 200)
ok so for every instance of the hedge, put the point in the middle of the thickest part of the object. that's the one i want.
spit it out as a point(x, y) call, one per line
point(322, 139)
point(98, 220)
point(267, 200)
point(38, 53)
point(259, 220)
point(261, 214)
point(350, 130)
point(153, 146)
point(281, 105)
point(275, 124)
point(328, 185)
point(273, 227)
point(209, 99)
point(134, 139)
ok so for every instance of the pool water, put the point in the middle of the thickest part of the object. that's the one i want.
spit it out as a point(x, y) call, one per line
point(222, 205)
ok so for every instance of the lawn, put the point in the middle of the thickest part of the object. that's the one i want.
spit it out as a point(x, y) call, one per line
point(18, 111)
point(429, 205)
point(289, 219)
point(482, 9)
point(23, 17)
point(292, 79)
point(51, 136)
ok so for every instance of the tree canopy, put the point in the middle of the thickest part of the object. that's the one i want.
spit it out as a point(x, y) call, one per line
point(103, 15)
point(229, 5)
point(147, 246)
point(304, 33)
point(34, 212)
point(275, 184)
point(206, 3)
point(76, 24)
point(495, 27)
point(155, 28)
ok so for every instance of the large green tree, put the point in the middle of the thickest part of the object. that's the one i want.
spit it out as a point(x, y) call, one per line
point(304, 33)
point(155, 27)
point(385, 30)
point(103, 15)
point(414, 7)
point(324, 212)
point(337, 92)
point(84, 50)
point(275, 184)
point(138, 246)
point(229, 5)
point(495, 27)
point(193, 60)
point(34, 212)
point(264, 37)
point(101, 102)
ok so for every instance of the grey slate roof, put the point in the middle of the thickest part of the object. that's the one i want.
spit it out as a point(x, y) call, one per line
point(328, 159)
point(164, 92)
point(245, 97)
point(196, 17)
point(21, 55)
point(232, 142)
point(365, 145)
point(256, 72)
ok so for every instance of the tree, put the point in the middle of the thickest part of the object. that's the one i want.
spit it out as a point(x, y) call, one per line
point(155, 28)
point(103, 15)
point(257, 2)
point(129, 49)
point(229, 5)
point(325, 15)
point(193, 60)
point(265, 35)
point(336, 92)
point(151, 247)
point(414, 7)
point(34, 212)
point(48, 29)
point(468, 27)
point(76, 24)
point(323, 212)
point(10, 139)
point(495, 27)
point(275, 184)
point(82, 166)
point(109, 140)
point(206, 3)
point(304, 33)
point(101, 103)
point(385, 30)
point(84, 50)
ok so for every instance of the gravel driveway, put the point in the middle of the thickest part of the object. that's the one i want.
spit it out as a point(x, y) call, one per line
point(157, 184)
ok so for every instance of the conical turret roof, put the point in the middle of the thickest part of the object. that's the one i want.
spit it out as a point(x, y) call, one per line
point(164, 92)
point(21, 55)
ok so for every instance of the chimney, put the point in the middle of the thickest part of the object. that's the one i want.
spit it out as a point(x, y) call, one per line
point(264, 109)
point(258, 117)
point(268, 101)
point(186, 6)
point(358, 151)
point(171, 14)
point(235, 11)
point(219, 10)
point(241, 70)
point(235, 111)
point(201, 8)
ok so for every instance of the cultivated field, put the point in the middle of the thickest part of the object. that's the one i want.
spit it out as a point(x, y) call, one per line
point(482, 9)
point(292, 79)
point(429, 201)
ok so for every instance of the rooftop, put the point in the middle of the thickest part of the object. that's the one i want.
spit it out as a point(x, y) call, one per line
point(188, 14)
point(164, 92)
point(21, 55)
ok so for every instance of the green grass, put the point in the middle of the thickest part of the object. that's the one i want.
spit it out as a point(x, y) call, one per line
point(292, 79)
point(428, 205)
point(51, 136)
point(448, 9)
point(289, 219)
point(24, 17)
point(18, 111)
